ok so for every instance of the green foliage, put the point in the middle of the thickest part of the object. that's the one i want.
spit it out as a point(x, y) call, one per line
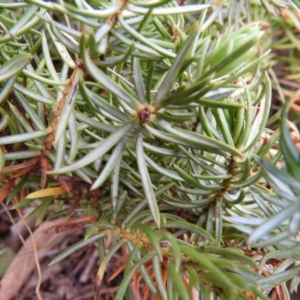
point(153, 117)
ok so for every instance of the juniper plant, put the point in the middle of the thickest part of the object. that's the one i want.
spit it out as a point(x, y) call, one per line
point(153, 116)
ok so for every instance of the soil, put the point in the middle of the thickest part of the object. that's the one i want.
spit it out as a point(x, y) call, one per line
point(73, 278)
